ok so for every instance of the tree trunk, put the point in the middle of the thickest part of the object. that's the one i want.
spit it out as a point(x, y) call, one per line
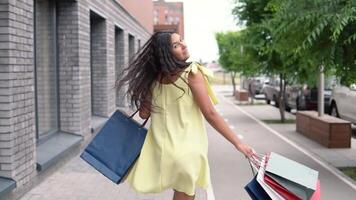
point(233, 75)
point(250, 92)
point(224, 73)
point(282, 91)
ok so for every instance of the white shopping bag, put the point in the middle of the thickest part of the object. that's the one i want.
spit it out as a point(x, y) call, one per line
point(261, 173)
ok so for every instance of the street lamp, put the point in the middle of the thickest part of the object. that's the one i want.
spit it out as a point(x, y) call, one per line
point(321, 91)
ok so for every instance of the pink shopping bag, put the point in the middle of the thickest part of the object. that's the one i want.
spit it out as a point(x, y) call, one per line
point(316, 195)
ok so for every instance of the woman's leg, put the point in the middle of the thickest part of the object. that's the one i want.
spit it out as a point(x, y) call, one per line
point(182, 196)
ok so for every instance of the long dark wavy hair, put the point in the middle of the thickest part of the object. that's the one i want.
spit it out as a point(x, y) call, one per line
point(153, 60)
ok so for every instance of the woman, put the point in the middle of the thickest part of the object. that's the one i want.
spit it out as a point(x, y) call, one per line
point(176, 95)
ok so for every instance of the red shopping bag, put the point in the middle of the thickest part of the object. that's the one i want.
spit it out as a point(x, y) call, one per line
point(280, 189)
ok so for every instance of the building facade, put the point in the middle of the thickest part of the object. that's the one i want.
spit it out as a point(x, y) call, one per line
point(168, 15)
point(59, 60)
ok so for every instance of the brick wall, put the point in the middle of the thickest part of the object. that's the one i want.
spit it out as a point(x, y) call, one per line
point(17, 75)
point(115, 17)
point(99, 65)
point(74, 73)
point(17, 116)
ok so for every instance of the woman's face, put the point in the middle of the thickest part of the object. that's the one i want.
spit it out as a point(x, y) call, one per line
point(179, 49)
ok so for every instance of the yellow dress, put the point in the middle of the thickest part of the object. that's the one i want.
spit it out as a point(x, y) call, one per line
point(174, 154)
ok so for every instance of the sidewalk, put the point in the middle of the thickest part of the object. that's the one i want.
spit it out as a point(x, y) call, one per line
point(76, 180)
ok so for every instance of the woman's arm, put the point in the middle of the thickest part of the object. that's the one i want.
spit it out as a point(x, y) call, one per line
point(201, 97)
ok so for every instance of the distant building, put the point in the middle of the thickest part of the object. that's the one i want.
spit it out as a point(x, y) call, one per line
point(59, 60)
point(168, 15)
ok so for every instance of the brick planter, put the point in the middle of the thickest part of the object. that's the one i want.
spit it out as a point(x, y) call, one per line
point(241, 95)
point(327, 130)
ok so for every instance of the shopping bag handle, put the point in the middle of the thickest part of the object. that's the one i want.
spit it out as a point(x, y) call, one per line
point(253, 171)
point(255, 162)
point(144, 123)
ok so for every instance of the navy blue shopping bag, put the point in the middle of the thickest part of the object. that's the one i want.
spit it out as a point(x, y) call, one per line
point(116, 147)
point(255, 191)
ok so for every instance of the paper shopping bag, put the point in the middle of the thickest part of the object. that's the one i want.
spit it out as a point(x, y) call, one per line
point(286, 194)
point(116, 147)
point(255, 191)
point(295, 177)
point(260, 179)
point(316, 195)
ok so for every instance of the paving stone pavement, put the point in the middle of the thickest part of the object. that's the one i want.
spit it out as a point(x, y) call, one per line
point(77, 180)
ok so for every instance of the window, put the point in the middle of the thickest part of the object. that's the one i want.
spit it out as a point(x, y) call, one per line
point(131, 47)
point(46, 78)
point(119, 63)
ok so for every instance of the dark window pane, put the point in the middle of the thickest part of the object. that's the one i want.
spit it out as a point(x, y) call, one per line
point(46, 75)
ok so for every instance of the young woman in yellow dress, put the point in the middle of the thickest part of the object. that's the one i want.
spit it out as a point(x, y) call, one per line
point(177, 96)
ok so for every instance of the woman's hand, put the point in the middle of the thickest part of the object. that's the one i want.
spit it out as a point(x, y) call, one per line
point(245, 149)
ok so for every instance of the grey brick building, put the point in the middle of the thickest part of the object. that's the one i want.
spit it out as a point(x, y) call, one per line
point(59, 60)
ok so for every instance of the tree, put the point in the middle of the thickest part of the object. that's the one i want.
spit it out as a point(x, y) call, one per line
point(254, 14)
point(297, 38)
point(326, 34)
point(325, 39)
point(235, 56)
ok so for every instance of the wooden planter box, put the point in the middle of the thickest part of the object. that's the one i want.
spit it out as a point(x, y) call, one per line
point(329, 131)
point(241, 95)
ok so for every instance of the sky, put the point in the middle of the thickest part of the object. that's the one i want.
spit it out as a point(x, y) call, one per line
point(202, 19)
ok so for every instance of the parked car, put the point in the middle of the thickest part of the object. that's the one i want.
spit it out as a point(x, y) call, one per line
point(293, 94)
point(305, 98)
point(254, 85)
point(257, 83)
point(271, 91)
point(342, 103)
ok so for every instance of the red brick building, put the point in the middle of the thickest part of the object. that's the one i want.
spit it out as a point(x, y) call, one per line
point(168, 15)
point(140, 13)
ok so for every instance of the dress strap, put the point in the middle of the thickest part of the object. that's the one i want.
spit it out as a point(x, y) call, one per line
point(194, 67)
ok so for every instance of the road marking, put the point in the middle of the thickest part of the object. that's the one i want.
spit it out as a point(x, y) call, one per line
point(326, 166)
point(210, 193)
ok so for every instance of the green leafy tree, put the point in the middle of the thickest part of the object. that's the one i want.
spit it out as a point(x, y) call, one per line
point(318, 33)
point(235, 56)
point(254, 14)
point(297, 38)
